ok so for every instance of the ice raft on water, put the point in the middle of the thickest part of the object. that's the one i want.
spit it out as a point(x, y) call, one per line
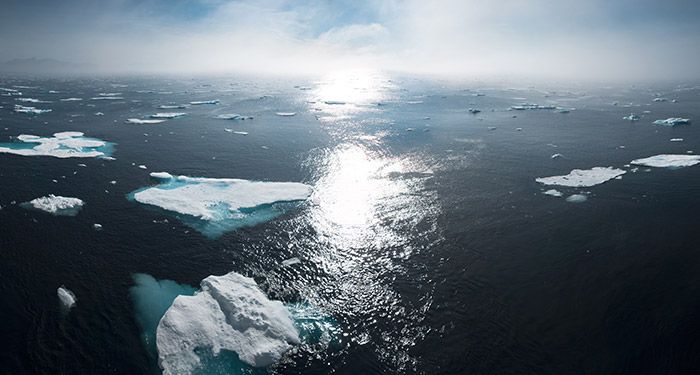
point(56, 205)
point(229, 313)
point(61, 145)
point(202, 102)
point(583, 177)
point(32, 110)
point(216, 205)
point(168, 115)
point(143, 121)
point(668, 161)
point(66, 297)
point(672, 121)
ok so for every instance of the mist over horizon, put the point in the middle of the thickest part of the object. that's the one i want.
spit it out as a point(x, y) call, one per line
point(568, 40)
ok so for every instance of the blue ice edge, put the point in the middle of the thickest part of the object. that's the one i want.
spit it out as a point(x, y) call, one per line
point(153, 297)
point(227, 220)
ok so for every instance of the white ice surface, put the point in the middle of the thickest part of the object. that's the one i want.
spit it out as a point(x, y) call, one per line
point(61, 145)
point(668, 161)
point(583, 177)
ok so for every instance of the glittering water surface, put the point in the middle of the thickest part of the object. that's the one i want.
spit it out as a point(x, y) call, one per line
point(426, 245)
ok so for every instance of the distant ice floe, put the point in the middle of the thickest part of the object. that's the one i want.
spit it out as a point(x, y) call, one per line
point(56, 205)
point(214, 206)
point(668, 161)
point(202, 102)
point(61, 145)
point(71, 99)
point(285, 114)
point(32, 110)
point(229, 313)
point(233, 116)
point(168, 115)
point(528, 106)
point(658, 100)
point(576, 198)
point(31, 100)
point(553, 192)
point(66, 297)
point(172, 106)
point(631, 117)
point(676, 139)
point(143, 121)
point(107, 98)
point(583, 177)
point(672, 121)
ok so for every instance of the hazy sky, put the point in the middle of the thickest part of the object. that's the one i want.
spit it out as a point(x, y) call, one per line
point(537, 38)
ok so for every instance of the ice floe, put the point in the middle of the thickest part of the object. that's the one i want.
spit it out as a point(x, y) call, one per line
point(229, 313)
point(672, 121)
point(233, 116)
point(676, 139)
point(576, 198)
point(56, 205)
point(553, 192)
point(144, 121)
point(61, 145)
point(107, 98)
point(631, 117)
point(583, 177)
point(32, 110)
point(216, 205)
point(168, 115)
point(668, 161)
point(285, 114)
point(66, 297)
point(172, 106)
point(71, 99)
point(202, 102)
point(30, 100)
point(528, 106)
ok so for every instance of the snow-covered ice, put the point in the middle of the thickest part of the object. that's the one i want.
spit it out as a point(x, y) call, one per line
point(202, 102)
point(576, 198)
point(528, 106)
point(168, 115)
point(216, 205)
point(583, 177)
point(668, 161)
point(56, 205)
point(233, 116)
point(61, 145)
point(285, 114)
point(172, 106)
point(229, 313)
point(143, 121)
point(631, 117)
point(672, 121)
point(66, 297)
point(553, 192)
point(32, 110)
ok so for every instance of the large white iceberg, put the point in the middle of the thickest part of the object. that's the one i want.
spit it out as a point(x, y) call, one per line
point(56, 205)
point(216, 205)
point(668, 161)
point(583, 177)
point(61, 145)
point(229, 313)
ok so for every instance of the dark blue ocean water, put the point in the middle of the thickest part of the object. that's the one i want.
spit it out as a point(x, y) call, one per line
point(427, 239)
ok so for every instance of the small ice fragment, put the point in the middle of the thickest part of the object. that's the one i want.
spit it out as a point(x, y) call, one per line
point(631, 117)
point(553, 192)
point(576, 198)
point(657, 100)
point(30, 110)
point(285, 114)
point(290, 261)
point(57, 205)
point(172, 106)
point(519, 129)
point(202, 102)
point(583, 177)
point(143, 166)
point(66, 297)
point(97, 226)
point(556, 156)
point(168, 115)
point(71, 99)
point(143, 121)
point(676, 139)
point(672, 121)
point(240, 133)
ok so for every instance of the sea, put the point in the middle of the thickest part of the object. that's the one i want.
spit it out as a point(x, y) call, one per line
point(427, 241)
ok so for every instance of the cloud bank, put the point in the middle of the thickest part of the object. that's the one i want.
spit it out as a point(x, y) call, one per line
point(536, 38)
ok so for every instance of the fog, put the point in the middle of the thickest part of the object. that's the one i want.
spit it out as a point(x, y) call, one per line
point(602, 40)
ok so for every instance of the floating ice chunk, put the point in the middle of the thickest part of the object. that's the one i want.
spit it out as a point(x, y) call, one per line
point(172, 106)
point(229, 313)
point(112, 94)
point(61, 145)
point(474, 111)
point(658, 100)
point(143, 121)
point(631, 117)
point(32, 110)
point(31, 100)
point(583, 177)
point(66, 297)
point(56, 205)
point(668, 161)
point(168, 115)
point(99, 114)
point(71, 99)
point(556, 156)
point(143, 166)
point(576, 198)
point(8, 90)
point(676, 139)
point(107, 98)
point(240, 133)
point(553, 192)
point(233, 116)
point(97, 226)
point(290, 261)
point(334, 102)
point(285, 114)
point(528, 106)
point(202, 102)
point(672, 121)
point(216, 205)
